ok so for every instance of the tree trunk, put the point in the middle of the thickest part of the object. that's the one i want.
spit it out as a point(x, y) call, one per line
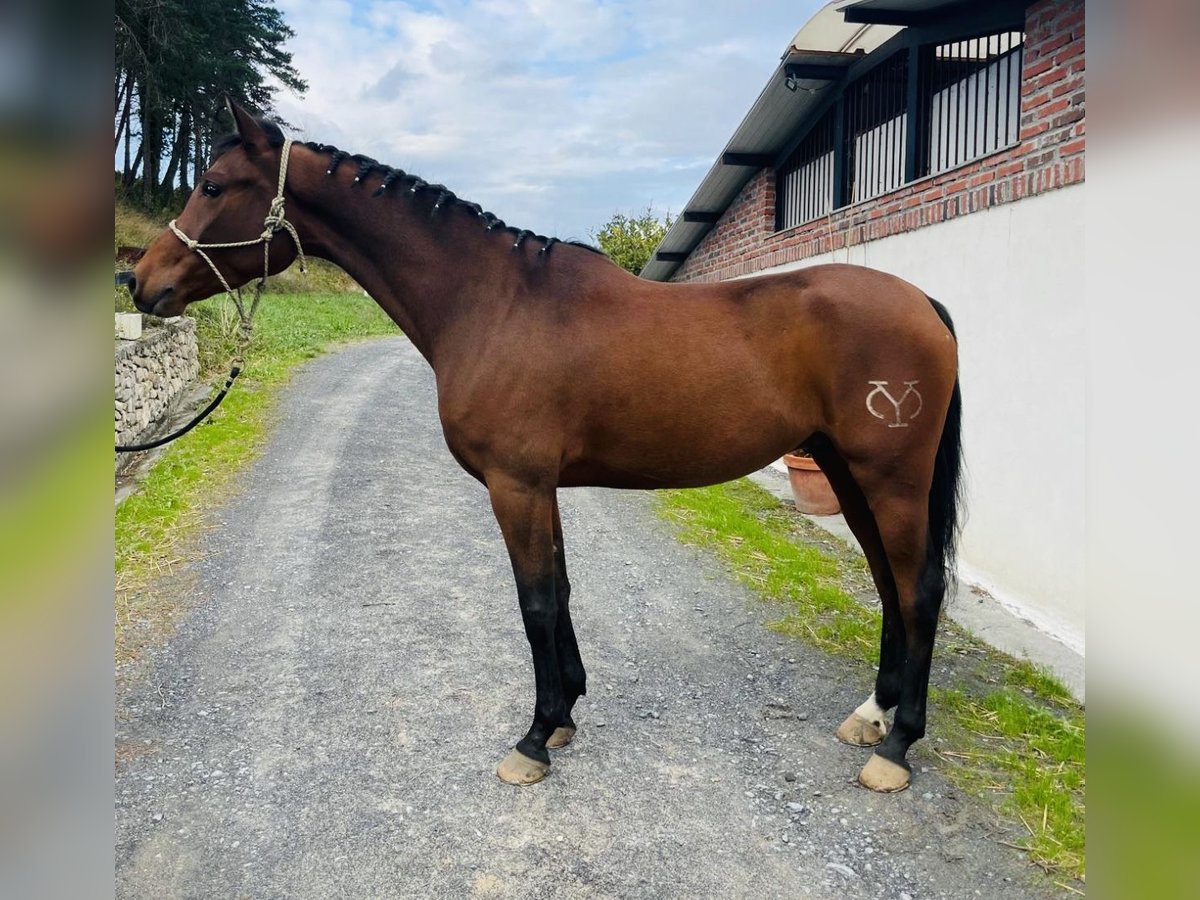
point(178, 151)
point(185, 141)
point(147, 150)
point(126, 176)
point(137, 164)
point(198, 166)
point(124, 125)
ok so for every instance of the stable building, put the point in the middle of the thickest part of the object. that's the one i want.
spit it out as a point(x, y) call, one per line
point(942, 141)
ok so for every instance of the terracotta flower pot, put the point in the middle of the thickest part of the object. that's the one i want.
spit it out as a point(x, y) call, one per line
point(811, 489)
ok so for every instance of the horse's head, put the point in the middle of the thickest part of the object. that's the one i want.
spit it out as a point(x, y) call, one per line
point(228, 205)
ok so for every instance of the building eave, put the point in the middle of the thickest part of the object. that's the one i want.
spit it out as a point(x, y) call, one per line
point(795, 92)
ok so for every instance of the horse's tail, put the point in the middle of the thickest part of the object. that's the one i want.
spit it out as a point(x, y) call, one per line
point(946, 494)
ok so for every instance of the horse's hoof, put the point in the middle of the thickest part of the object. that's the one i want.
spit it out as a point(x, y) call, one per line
point(517, 768)
point(883, 775)
point(858, 731)
point(562, 736)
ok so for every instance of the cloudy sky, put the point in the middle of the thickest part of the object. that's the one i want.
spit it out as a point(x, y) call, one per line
point(553, 114)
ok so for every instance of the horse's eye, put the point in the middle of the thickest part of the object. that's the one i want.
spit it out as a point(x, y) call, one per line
point(211, 190)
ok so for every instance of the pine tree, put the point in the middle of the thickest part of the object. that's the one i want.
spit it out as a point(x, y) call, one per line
point(175, 62)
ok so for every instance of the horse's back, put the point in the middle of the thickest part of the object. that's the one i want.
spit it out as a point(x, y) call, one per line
point(733, 374)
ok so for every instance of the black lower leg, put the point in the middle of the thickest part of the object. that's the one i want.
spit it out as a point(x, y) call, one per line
point(892, 653)
point(921, 630)
point(570, 664)
point(539, 612)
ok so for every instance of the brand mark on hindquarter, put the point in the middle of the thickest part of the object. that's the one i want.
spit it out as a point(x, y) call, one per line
point(901, 421)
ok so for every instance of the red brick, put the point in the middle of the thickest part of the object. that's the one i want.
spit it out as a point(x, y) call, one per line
point(1035, 101)
point(1072, 148)
point(1067, 87)
point(1070, 51)
point(1072, 20)
point(1068, 118)
point(1035, 69)
point(1057, 106)
point(1054, 76)
point(1063, 37)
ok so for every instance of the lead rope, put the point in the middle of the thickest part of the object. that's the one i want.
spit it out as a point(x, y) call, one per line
point(274, 221)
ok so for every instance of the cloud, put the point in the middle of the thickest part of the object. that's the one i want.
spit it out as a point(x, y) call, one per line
point(552, 113)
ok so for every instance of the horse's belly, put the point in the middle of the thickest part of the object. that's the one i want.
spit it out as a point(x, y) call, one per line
point(671, 456)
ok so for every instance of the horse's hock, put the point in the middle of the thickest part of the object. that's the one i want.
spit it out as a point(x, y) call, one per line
point(153, 372)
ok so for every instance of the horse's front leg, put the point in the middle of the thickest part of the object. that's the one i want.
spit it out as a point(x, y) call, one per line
point(570, 665)
point(525, 513)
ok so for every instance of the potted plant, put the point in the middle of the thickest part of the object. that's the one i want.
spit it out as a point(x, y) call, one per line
point(810, 486)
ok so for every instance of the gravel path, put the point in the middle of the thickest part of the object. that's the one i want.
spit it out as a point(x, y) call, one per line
point(327, 719)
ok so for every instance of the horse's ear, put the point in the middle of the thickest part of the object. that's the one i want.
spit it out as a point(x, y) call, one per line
point(252, 134)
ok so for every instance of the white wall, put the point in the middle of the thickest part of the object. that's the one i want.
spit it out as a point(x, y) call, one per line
point(1012, 278)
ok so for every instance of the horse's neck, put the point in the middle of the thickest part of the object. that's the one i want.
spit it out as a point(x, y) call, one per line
point(427, 273)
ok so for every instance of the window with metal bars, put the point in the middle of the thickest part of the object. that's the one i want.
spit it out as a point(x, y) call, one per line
point(965, 99)
point(876, 125)
point(804, 183)
point(972, 95)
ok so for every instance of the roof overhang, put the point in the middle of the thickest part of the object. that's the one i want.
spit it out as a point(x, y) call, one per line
point(755, 143)
point(903, 12)
point(797, 91)
point(794, 91)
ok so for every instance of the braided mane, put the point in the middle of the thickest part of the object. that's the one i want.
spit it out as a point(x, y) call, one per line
point(409, 185)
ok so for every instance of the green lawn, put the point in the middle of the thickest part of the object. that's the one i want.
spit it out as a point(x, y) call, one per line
point(156, 527)
point(999, 727)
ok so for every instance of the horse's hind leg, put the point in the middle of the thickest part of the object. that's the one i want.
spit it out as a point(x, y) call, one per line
point(570, 665)
point(902, 519)
point(867, 725)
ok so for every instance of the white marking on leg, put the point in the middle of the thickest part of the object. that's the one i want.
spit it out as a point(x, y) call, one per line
point(873, 713)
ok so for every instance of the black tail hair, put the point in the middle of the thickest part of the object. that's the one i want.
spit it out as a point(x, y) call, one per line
point(946, 494)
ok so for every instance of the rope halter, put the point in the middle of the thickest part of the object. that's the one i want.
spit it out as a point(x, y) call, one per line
point(274, 221)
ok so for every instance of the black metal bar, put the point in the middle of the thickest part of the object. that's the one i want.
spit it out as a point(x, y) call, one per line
point(990, 135)
point(699, 216)
point(839, 154)
point(800, 190)
point(666, 256)
point(751, 160)
point(960, 90)
point(924, 126)
point(932, 26)
point(976, 125)
point(906, 17)
point(943, 112)
point(877, 131)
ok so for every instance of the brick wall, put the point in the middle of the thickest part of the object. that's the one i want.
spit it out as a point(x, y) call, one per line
point(1050, 155)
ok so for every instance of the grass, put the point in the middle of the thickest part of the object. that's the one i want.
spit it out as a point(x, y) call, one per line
point(156, 526)
point(1000, 728)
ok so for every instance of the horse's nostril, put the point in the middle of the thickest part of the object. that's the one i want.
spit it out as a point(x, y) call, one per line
point(132, 284)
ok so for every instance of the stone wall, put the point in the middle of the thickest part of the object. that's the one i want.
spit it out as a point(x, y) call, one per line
point(152, 373)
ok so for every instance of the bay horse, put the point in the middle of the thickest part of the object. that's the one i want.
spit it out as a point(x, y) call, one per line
point(557, 368)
